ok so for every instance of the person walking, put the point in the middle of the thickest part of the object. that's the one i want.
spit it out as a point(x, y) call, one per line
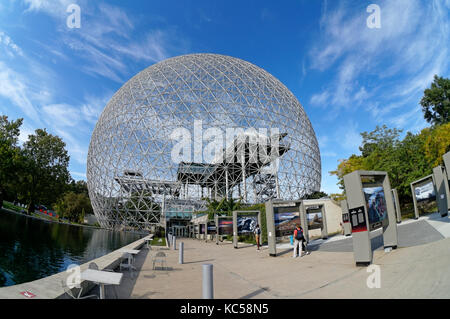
point(305, 245)
point(257, 232)
point(298, 238)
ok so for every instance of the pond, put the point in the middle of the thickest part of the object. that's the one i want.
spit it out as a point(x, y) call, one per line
point(31, 249)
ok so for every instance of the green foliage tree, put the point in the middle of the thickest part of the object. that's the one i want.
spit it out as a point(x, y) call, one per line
point(46, 169)
point(316, 195)
point(380, 139)
point(404, 160)
point(78, 187)
point(347, 166)
point(224, 206)
point(436, 101)
point(437, 143)
point(74, 206)
point(9, 154)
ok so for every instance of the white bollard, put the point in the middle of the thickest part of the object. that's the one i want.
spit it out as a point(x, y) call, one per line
point(181, 257)
point(208, 288)
point(174, 246)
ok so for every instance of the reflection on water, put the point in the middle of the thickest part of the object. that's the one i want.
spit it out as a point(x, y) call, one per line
point(31, 249)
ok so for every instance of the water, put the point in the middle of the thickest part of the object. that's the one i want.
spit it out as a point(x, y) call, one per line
point(31, 249)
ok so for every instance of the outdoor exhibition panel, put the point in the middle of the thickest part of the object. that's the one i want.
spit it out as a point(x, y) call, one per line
point(442, 192)
point(370, 209)
point(446, 158)
point(346, 219)
point(314, 217)
point(211, 229)
point(423, 192)
point(281, 218)
point(398, 211)
point(244, 222)
point(224, 226)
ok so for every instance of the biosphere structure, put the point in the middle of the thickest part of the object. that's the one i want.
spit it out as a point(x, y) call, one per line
point(194, 127)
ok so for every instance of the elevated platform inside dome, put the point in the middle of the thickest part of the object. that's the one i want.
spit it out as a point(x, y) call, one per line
point(248, 154)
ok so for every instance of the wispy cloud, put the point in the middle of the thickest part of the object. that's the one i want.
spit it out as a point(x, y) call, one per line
point(401, 57)
point(9, 46)
point(56, 8)
point(14, 88)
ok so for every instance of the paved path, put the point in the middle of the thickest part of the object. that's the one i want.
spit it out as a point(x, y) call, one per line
point(417, 269)
point(413, 272)
point(410, 233)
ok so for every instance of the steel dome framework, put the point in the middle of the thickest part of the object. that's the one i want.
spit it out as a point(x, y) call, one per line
point(132, 175)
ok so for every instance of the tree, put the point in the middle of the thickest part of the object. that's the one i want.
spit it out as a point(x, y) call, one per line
point(74, 206)
point(437, 143)
point(346, 166)
point(381, 138)
point(78, 187)
point(9, 153)
point(223, 206)
point(46, 169)
point(436, 101)
point(316, 195)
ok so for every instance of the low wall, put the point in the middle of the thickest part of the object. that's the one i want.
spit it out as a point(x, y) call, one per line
point(50, 287)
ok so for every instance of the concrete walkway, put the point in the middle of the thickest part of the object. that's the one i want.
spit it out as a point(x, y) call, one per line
point(412, 272)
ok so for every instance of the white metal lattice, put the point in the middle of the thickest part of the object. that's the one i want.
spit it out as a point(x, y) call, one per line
point(130, 169)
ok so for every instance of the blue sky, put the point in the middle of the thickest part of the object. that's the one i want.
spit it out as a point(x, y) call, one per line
point(348, 77)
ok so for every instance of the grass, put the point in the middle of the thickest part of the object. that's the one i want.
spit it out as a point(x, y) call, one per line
point(424, 209)
point(18, 209)
point(13, 207)
point(155, 241)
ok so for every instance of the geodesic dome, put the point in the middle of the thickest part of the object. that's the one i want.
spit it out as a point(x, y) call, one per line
point(194, 127)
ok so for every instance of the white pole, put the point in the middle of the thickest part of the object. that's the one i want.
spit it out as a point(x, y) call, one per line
point(208, 289)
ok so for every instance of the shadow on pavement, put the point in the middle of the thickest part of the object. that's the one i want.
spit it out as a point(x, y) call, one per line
point(255, 293)
point(197, 261)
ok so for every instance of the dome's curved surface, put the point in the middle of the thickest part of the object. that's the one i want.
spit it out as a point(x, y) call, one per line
point(134, 159)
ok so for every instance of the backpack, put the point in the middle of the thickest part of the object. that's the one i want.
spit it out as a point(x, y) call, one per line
point(258, 231)
point(298, 234)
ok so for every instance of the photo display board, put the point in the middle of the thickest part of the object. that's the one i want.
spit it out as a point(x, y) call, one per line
point(375, 201)
point(285, 220)
point(425, 192)
point(346, 218)
point(226, 226)
point(211, 228)
point(246, 224)
point(314, 217)
point(358, 219)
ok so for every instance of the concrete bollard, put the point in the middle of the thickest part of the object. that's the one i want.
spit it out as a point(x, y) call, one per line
point(174, 246)
point(208, 287)
point(181, 257)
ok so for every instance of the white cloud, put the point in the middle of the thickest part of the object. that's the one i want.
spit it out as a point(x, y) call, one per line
point(61, 115)
point(320, 99)
point(401, 57)
point(8, 44)
point(93, 107)
point(13, 87)
point(56, 8)
point(25, 131)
